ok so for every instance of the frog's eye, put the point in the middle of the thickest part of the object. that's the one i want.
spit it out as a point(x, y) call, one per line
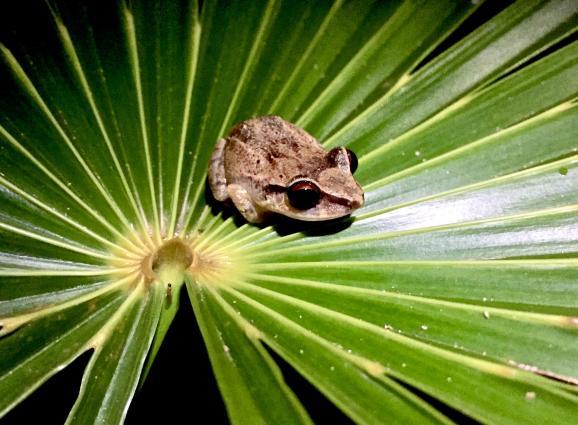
point(352, 160)
point(337, 157)
point(303, 194)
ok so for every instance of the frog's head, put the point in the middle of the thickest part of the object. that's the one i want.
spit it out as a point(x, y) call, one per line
point(329, 192)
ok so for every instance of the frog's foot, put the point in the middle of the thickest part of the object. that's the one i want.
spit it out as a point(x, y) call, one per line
point(244, 203)
point(217, 180)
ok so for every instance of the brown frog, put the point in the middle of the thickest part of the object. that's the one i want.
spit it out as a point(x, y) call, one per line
point(268, 165)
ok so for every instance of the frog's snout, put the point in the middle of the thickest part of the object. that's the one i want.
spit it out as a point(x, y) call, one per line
point(358, 201)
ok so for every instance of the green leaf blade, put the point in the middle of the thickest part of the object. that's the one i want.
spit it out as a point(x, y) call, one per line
point(525, 94)
point(408, 39)
point(542, 286)
point(427, 367)
point(509, 39)
point(112, 375)
point(249, 381)
point(482, 330)
point(336, 373)
point(41, 348)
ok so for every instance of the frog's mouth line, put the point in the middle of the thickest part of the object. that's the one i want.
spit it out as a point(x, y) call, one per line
point(341, 201)
point(276, 189)
point(329, 206)
point(326, 209)
point(302, 215)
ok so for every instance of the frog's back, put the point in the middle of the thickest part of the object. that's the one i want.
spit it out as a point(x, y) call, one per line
point(271, 133)
point(272, 150)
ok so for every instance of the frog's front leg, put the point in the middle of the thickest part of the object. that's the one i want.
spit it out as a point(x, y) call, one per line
point(217, 179)
point(244, 203)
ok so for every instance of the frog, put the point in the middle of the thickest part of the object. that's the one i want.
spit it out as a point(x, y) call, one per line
point(267, 166)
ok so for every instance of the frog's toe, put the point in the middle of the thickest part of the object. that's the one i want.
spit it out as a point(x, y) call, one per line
point(244, 203)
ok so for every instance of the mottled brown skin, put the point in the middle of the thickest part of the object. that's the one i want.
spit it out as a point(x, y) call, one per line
point(263, 156)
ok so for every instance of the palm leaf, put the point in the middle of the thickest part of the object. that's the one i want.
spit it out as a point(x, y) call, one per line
point(452, 290)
